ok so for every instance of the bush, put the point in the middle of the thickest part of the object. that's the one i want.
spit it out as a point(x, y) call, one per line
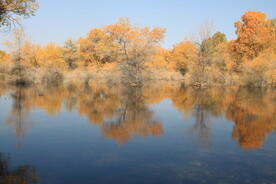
point(132, 72)
point(52, 78)
point(259, 71)
point(18, 76)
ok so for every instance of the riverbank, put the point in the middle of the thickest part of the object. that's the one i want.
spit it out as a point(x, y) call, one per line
point(112, 73)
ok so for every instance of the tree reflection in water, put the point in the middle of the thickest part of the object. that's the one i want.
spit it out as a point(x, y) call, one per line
point(254, 114)
point(19, 114)
point(123, 112)
point(252, 110)
point(133, 118)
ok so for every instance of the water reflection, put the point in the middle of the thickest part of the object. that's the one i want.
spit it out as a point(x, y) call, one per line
point(19, 113)
point(199, 104)
point(21, 175)
point(97, 102)
point(133, 118)
point(123, 112)
point(253, 112)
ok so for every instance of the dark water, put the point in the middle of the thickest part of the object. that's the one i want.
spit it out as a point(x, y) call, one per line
point(163, 133)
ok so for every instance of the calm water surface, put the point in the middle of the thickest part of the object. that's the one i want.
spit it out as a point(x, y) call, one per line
point(97, 133)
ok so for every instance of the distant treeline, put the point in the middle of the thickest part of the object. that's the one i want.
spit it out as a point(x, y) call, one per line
point(133, 54)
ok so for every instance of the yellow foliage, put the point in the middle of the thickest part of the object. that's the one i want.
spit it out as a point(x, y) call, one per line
point(4, 57)
point(97, 48)
point(183, 53)
point(132, 41)
point(51, 56)
point(261, 69)
point(30, 54)
point(162, 59)
point(129, 49)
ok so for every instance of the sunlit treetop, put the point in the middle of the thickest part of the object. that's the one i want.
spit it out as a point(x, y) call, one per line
point(254, 35)
point(132, 39)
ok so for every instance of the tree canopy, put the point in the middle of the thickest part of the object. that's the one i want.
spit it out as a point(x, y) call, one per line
point(254, 36)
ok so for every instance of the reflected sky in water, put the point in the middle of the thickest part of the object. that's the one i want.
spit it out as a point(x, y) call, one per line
point(161, 133)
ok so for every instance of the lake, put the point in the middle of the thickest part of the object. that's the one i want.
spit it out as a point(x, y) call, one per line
point(161, 133)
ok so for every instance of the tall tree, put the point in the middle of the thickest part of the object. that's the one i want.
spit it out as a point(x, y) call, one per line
point(183, 53)
point(254, 35)
point(15, 48)
point(208, 45)
point(70, 53)
point(134, 42)
point(135, 45)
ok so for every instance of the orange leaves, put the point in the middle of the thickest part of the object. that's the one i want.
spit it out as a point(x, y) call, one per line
point(162, 59)
point(254, 36)
point(253, 18)
point(211, 59)
point(183, 53)
point(133, 41)
point(177, 58)
point(251, 54)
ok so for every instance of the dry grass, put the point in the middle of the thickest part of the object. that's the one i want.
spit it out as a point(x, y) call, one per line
point(112, 73)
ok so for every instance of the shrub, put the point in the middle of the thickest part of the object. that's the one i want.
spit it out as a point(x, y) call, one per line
point(52, 77)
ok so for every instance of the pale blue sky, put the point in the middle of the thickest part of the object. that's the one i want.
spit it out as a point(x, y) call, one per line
point(57, 20)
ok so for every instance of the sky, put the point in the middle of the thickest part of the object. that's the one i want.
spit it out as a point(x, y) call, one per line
point(58, 20)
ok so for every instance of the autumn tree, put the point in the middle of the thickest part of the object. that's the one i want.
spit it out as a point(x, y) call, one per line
point(70, 53)
point(9, 9)
point(30, 54)
point(15, 44)
point(199, 67)
point(208, 45)
point(15, 49)
point(97, 48)
point(51, 57)
point(254, 35)
point(135, 46)
point(163, 58)
point(202, 67)
point(260, 71)
point(183, 53)
point(215, 53)
point(253, 52)
point(133, 41)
